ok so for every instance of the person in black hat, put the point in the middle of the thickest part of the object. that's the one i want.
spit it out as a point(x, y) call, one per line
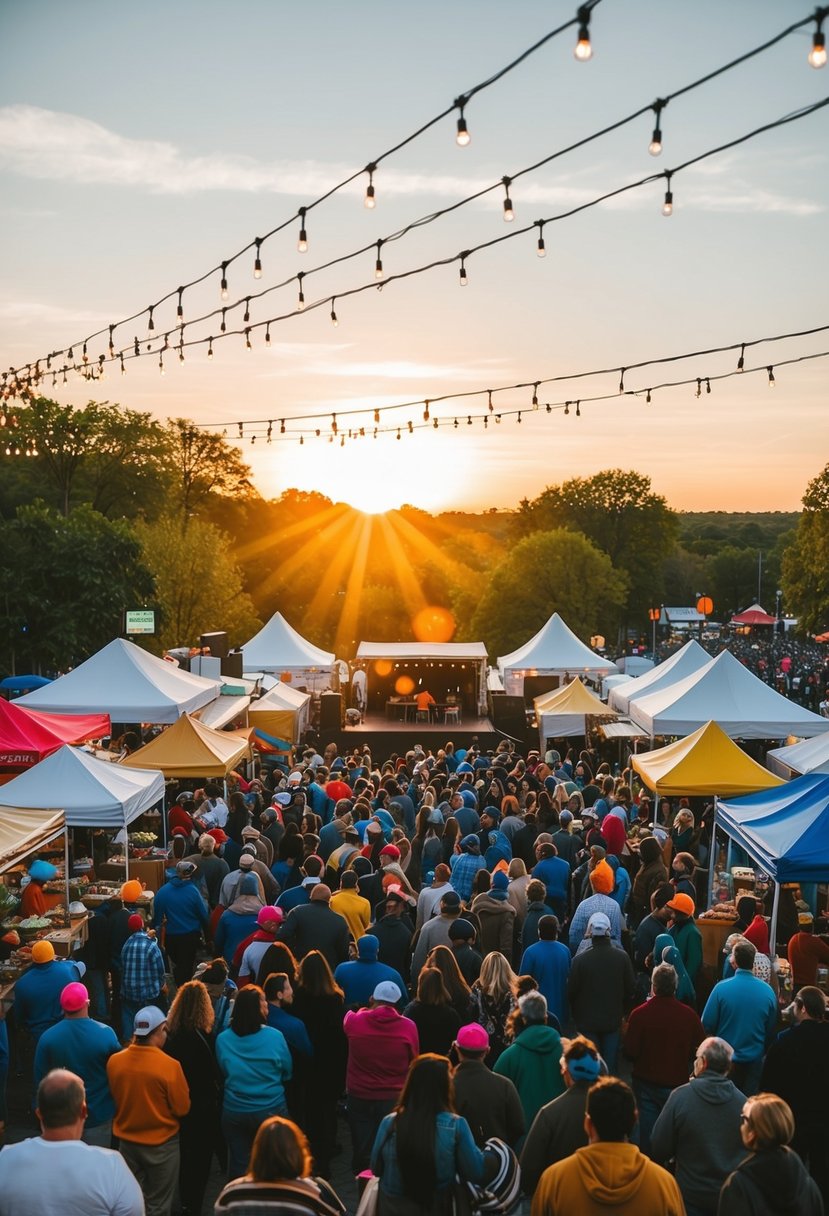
point(435, 932)
point(462, 941)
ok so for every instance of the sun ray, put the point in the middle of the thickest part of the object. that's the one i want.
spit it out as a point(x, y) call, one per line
point(410, 588)
point(452, 566)
point(333, 575)
point(255, 547)
point(347, 625)
point(292, 564)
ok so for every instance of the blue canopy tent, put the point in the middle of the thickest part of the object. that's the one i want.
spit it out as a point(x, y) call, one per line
point(784, 830)
point(19, 684)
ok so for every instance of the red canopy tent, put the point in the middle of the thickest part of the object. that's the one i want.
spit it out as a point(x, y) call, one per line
point(28, 735)
point(754, 615)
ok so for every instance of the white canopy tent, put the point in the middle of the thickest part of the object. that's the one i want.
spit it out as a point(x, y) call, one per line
point(441, 653)
point(278, 648)
point(23, 831)
point(727, 692)
point(553, 651)
point(805, 756)
point(682, 663)
point(92, 792)
point(127, 683)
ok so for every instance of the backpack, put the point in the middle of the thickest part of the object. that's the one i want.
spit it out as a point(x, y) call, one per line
point(502, 1193)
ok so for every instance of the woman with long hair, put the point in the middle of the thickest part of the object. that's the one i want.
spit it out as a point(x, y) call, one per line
point(255, 1062)
point(450, 841)
point(771, 1167)
point(423, 1145)
point(432, 1013)
point(277, 958)
point(519, 880)
point(279, 1178)
point(493, 994)
point(427, 846)
point(460, 994)
point(318, 1002)
point(190, 1026)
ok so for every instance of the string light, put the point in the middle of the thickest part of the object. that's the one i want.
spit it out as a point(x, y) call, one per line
point(370, 201)
point(223, 285)
point(707, 384)
point(541, 249)
point(223, 326)
point(300, 303)
point(699, 387)
point(268, 334)
point(257, 264)
point(426, 411)
point(535, 395)
point(622, 380)
point(655, 146)
point(247, 340)
point(334, 320)
point(282, 426)
point(161, 364)
point(180, 307)
point(462, 138)
point(378, 265)
point(123, 368)
point(584, 50)
point(566, 409)
point(111, 343)
point(668, 204)
point(210, 349)
point(817, 55)
point(490, 406)
point(462, 272)
point(741, 362)
point(302, 243)
point(150, 325)
point(770, 371)
point(246, 317)
point(578, 409)
point(376, 415)
point(509, 213)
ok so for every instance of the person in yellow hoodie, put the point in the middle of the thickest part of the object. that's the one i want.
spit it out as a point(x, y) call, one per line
point(350, 903)
point(609, 1175)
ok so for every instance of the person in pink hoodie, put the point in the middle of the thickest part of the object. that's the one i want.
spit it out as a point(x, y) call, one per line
point(381, 1046)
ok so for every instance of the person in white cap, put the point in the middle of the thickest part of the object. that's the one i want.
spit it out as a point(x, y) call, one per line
point(151, 1096)
point(381, 1046)
point(600, 990)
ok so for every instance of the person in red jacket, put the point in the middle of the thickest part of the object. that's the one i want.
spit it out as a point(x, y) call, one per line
point(381, 1046)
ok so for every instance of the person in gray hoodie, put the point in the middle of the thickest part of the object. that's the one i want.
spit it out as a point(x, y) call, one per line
point(699, 1128)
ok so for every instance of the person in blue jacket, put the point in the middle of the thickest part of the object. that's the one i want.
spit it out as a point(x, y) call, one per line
point(359, 978)
point(37, 992)
point(548, 962)
point(180, 909)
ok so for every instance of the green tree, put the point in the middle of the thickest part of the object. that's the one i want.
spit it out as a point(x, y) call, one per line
point(553, 571)
point(619, 512)
point(805, 575)
point(731, 580)
point(199, 586)
point(203, 466)
point(66, 583)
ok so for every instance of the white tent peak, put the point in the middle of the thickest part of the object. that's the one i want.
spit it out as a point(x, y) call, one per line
point(127, 683)
point(278, 647)
point(684, 662)
point(555, 649)
point(93, 793)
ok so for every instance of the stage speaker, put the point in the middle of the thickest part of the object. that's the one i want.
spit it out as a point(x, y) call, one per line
point(331, 711)
point(216, 643)
point(508, 715)
point(232, 664)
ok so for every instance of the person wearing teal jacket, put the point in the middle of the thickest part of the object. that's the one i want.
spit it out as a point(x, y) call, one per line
point(686, 935)
point(665, 950)
point(533, 1061)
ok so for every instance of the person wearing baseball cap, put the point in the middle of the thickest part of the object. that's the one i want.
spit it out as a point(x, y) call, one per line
point(435, 932)
point(686, 935)
point(37, 993)
point(600, 989)
point(381, 1046)
point(180, 909)
point(83, 1046)
point(489, 1102)
point(602, 881)
point(151, 1097)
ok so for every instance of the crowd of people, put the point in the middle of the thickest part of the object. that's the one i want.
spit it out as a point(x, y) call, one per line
point(487, 962)
point(796, 667)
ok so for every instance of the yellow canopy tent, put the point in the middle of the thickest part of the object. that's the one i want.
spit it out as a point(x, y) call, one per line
point(563, 711)
point(190, 749)
point(707, 762)
point(282, 713)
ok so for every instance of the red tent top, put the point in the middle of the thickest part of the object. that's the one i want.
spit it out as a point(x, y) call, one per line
point(754, 615)
point(28, 735)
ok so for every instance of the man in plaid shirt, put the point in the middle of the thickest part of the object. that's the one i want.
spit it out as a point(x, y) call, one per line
point(466, 865)
point(142, 974)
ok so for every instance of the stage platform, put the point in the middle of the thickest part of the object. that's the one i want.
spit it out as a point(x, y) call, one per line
point(384, 736)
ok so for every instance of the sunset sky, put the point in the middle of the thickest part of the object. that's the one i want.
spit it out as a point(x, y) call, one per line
point(142, 145)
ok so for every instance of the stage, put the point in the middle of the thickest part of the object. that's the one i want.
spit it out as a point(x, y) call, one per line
point(385, 736)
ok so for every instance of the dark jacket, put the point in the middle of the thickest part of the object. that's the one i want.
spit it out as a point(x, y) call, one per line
point(394, 933)
point(489, 1103)
point(797, 1070)
point(197, 1058)
point(557, 1131)
point(437, 1026)
point(529, 930)
point(600, 987)
point(315, 926)
point(775, 1183)
point(699, 1126)
point(496, 918)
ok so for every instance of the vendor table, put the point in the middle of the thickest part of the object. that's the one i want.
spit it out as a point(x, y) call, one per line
point(151, 873)
point(714, 935)
point(67, 941)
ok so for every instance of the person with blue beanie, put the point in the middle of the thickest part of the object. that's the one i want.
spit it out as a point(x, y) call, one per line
point(359, 978)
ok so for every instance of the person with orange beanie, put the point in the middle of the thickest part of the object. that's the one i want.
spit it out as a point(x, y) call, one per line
point(602, 881)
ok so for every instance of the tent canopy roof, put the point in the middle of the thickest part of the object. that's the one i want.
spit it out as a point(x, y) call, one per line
point(785, 829)
point(727, 692)
point(27, 731)
point(93, 793)
point(474, 652)
point(755, 615)
point(189, 749)
point(278, 647)
point(573, 698)
point(555, 648)
point(690, 658)
point(281, 696)
point(22, 831)
point(807, 756)
point(127, 683)
point(704, 763)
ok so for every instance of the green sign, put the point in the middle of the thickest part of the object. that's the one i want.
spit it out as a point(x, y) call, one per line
point(142, 621)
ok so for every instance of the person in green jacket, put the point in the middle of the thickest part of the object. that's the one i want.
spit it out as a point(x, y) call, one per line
point(532, 1062)
point(686, 935)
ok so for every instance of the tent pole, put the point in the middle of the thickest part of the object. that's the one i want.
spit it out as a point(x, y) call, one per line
point(126, 849)
point(712, 860)
point(66, 866)
point(774, 909)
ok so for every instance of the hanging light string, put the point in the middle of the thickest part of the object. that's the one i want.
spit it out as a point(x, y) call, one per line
point(12, 383)
point(433, 399)
point(256, 243)
point(570, 406)
point(370, 167)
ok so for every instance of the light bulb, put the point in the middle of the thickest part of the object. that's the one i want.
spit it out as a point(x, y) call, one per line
point(370, 201)
point(223, 284)
point(668, 205)
point(655, 146)
point(301, 298)
point(463, 138)
point(584, 50)
point(334, 321)
point(462, 273)
point(378, 269)
point(770, 370)
point(302, 243)
point(268, 336)
point(817, 55)
point(541, 248)
point(210, 350)
point(509, 214)
point(257, 269)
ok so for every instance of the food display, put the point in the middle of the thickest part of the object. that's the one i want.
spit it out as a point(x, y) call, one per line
point(721, 911)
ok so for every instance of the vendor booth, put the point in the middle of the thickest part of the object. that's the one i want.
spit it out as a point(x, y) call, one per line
point(127, 683)
point(784, 831)
point(806, 756)
point(550, 658)
point(727, 692)
point(283, 713)
point(190, 749)
point(682, 663)
point(702, 764)
point(453, 672)
point(278, 648)
point(564, 712)
point(27, 736)
point(752, 618)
